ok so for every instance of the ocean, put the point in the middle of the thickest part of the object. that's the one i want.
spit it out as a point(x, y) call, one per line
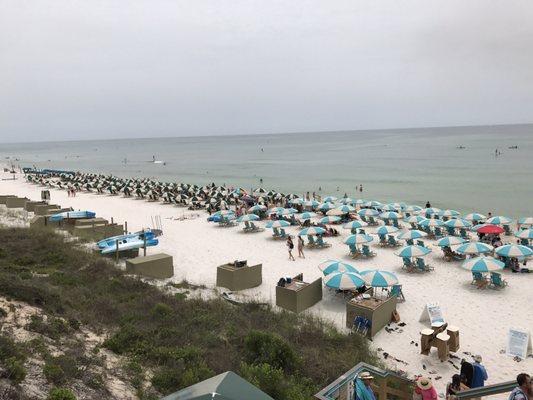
point(413, 166)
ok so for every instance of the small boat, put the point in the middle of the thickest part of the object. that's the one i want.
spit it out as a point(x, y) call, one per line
point(111, 241)
point(72, 215)
point(129, 244)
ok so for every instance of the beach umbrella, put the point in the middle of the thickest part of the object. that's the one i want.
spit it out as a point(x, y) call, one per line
point(475, 217)
point(524, 234)
point(326, 206)
point(490, 229)
point(278, 224)
point(377, 278)
point(312, 231)
point(335, 211)
point(359, 202)
point(335, 266)
point(354, 224)
point(474, 248)
point(257, 208)
point(288, 211)
point(311, 203)
point(513, 250)
point(499, 220)
point(224, 213)
point(329, 199)
point(298, 200)
point(413, 208)
point(385, 230)
point(432, 222)
point(396, 206)
point(458, 223)
point(345, 209)
point(449, 241)
point(347, 200)
point(415, 219)
point(248, 217)
point(526, 221)
point(329, 220)
point(259, 191)
point(430, 211)
point(367, 212)
point(413, 234)
point(388, 207)
point(449, 213)
point(413, 251)
point(373, 204)
point(306, 215)
point(483, 264)
point(275, 210)
point(358, 238)
point(389, 215)
point(344, 280)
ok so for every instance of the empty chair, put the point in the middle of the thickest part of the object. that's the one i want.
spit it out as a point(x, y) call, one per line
point(507, 230)
point(372, 221)
point(421, 265)
point(311, 241)
point(396, 291)
point(420, 243)
point(407, 263)
point(497, 281)
point(382, 240)
point(276, 232)
point(353, 250)
point(282, 233)
point(391, 241)
point(320, 242)
point(438, 232)
point(463, 233)
point(450, 230)
point(479, 280)
point(409, 242)
point(367, 252)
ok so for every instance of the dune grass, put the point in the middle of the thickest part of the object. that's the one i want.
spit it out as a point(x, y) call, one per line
point(181, 340)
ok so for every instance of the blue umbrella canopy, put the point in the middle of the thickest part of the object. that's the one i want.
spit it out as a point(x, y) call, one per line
point(449, 241)
point(344, 280)
point(483, 264)
point(224, 213)
point(358, 239)
point(432, 222)
point(288, 211)
point(389, 215)
point(458, 223)
point(377, 278)
point(430, 211)
point(345, 208)
point(513, 250)
point(326, 206)
point(499, 220)
point(248, 217)
point(354, 224)
point(415, 219)
point(373, 204)
point(347, 200)
point(311, 203)
point(297, 200)
point(526, 221)
point(475, 217)
point(257, 208)
point(312, 231)
point(449, 213)
point(413, 208)
point(335, 266)
point(413, 234)
point(329, 219)
point(278, 224)
point(367, 212)
point(275, 210)
point(524, 234)
point(329, 199)
point(385, 230)
point(474, 248)
point(413, 251)
point(306, 215)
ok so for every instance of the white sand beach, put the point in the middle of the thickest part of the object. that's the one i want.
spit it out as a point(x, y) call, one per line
point(198, 247)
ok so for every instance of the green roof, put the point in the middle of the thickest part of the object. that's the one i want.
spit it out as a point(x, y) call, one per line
point(226, 386)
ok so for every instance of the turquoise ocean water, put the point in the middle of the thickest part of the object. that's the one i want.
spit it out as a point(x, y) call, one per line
point(394, 165)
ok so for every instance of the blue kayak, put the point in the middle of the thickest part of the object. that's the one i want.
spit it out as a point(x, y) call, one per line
point(129, 244)
point(72, 215)
point(111, 241)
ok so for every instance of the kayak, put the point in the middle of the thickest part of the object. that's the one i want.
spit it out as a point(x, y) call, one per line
point(72, 215)
point(129, 244)
point(110, 241)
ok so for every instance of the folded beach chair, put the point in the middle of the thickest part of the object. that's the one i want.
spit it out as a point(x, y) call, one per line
point(391, 241)
point(396, 291)
point(382, 240)
point(497, 281)
point(367, 252)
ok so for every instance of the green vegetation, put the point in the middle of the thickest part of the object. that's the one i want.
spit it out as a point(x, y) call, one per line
point(181, 340)
point(61, 394)
point(12, 357)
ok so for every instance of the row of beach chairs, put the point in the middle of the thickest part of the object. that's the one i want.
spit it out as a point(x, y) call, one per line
point(495, 281)
point(364, 252)
point(417, 266)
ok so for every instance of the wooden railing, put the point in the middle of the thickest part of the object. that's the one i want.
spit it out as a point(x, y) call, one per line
point(338, 389)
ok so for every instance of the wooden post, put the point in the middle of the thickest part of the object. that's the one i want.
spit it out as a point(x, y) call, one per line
point(111, 220)
point(144, 247)
point(126, 227)
point(116, 253)
point(383, 389)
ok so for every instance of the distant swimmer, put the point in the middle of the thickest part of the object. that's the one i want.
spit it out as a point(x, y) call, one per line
point(261, 180)
point(262, 150)
point(360, 188)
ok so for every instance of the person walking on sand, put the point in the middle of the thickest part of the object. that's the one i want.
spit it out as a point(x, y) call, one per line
point(290, 246)
point(301, 247)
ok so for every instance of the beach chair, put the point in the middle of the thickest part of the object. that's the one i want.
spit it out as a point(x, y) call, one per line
point(396, 291)
point(391, 241)
point(407, 264)
point(282, 234)
point(382, 240)
point(507, 230)
point(367, 252)
point(464, 234)
point(353, 250)
point(413, 225)
point(358, 323)
point(361, 230)
point(386, 221)
point(320, 242)
point(438, 232)
point(363, 218)
point(311, 242)
point(276, 233)
point(422, 266)
point(496, 280)
point(479, 280)
point(420, 243)
point(247, 226)
point(450, 230)
point(409, 242)
point(255, 228)
point(372, 221)
point(524, 242)
point(396, 224)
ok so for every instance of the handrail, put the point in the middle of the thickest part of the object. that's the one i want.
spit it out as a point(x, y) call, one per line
point(489, 390)
point(325, 394)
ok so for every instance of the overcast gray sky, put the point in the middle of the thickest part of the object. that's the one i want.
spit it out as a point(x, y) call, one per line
point(108, 69)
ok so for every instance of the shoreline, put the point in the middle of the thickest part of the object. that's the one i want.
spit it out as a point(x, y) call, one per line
point(198, 248)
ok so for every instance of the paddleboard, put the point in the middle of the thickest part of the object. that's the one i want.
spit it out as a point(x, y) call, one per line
point(72, 215)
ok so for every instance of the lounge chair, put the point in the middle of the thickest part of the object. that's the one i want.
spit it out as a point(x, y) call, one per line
point(507, 230)
point(395, 223)
point(382, 240)
point(276, 233)
point(479, 280)
point(422, 266)
point(367, 252)
point(391, 241)
point(496, 280)
point(353, 251)
point(420, 243)
point(396, 291)
point(438, 232)
point(464, 234)
point(311, 241)
point(450, 231)
point(320, 242)
point(407, 264)
point(409, 242)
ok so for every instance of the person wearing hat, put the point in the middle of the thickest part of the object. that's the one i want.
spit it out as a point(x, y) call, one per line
point(480, 373)
point(424, 387)
point(363, 391)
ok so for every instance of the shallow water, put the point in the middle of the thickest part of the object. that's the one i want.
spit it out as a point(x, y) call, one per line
point(395, 165)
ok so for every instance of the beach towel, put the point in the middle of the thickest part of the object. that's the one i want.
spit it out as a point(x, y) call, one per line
point(362, 392)
point(479, 377)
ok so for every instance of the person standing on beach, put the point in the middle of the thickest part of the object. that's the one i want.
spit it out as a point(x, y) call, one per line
point(480, 373)
point(360, 188)
point(523, 390)
point(290, 246)
point(301, 247)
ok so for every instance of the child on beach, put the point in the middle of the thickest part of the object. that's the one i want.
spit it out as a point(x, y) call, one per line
point(290, 246)
point(301, 247)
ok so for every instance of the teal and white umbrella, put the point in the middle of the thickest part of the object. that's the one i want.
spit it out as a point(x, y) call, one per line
point(257, 208)
point(385, 230)
point(367, 212)
point(483, 264)
point(458, 223)
point(390, 215)
point(499, 220)
point(513, 250)
point(312, 231)
point(297, 200)
point(526, 221)
point(413, 208)
point(395, 206)
point(336, 266)
point(275, 210)
point(278, 224)
point(329, 220)
point(430, 211)
point(358, 238)
point(413, 251)
point(474, 248)
point(329, 199)
point(415, 219)
point(388, 207)
point(326, 206)
point(524, 234)
point(449, 213)
point(347, 200)
point(288, 211)
point(344, 280)
point(475, 217)
point(248, 218)
point(356, 224)
point(311, 203)
point(224, 213)
point(306, 215)
point(412, 234)
point(450, 241)
point(359, 202)
point(373, 204)
point(376, 278)
point(345, 209)
point(432, 222)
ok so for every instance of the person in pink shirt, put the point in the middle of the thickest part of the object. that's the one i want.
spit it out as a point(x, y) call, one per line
point(424, 388)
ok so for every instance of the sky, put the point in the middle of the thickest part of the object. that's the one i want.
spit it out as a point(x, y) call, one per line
point(72, 69)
